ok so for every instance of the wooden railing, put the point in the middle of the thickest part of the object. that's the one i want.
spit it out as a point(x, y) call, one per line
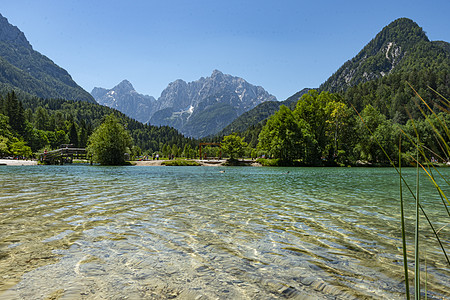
point(64, 155)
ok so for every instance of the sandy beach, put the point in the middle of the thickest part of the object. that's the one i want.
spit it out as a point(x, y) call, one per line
point(15, 162)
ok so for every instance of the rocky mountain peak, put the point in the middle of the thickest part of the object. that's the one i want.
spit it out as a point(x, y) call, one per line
point(189, 106)
point(124, 98)
point(380, 56)
point(12, 34)
point(123, 87)
point(217, 75)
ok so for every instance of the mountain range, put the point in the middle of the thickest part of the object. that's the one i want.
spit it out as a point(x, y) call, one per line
point(30, 73)
point(400, 47)
point(221, 104)
point(197, 109)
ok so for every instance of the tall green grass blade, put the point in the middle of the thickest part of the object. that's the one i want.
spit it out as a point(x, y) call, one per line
point(435, 234)
point(429, 221)
point(441, 195)
point(420, 150)
point(405, 256)
point(416, 236)
point(429, 176)
point(444, 126)
point(445, 102)
point(426, 275)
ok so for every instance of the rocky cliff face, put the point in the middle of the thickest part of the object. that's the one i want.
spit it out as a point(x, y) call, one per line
point(197, 109)
point(124, 98)
point(182, 105)
point(180, 95)
point(12, 34)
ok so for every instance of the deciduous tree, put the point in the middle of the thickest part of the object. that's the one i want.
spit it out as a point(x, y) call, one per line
point(109, 142)
point(234, 145)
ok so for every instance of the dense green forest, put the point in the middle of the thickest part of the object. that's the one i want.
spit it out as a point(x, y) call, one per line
point(391, 98)
point(47, 123)
point(324, 130)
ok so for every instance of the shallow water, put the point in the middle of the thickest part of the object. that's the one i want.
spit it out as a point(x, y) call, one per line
point(82, 232)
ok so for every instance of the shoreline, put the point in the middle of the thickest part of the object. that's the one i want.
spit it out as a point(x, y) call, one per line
point(153, 163)
point(201, 162)
point(17, 162)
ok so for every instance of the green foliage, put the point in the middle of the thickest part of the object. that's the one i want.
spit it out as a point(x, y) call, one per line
point(13, 109)
point(316, 130)
point(5, 128)
point(283, 135)
point(73, 134)
point(234, 146)
point(19, 148)
point(4, 149)
point(269, 162)
point(109, 142)
point(375, 130)
point(180, 162)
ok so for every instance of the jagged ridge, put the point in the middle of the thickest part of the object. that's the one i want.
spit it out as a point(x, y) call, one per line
point(25, 70)
point(379, 57)
point(125, 99)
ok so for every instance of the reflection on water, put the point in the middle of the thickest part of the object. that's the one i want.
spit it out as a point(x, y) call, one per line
point(81, 232)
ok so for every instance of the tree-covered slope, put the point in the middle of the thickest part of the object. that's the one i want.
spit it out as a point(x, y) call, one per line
point(24, 69)
point(401, 46)
point(259, 113)
point(88, 116)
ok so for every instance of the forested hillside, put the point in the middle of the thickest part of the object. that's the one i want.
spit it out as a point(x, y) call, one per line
point(324, 130)
point(24, 69)
point(378, 75)
point(48, 123)
point(400, 46)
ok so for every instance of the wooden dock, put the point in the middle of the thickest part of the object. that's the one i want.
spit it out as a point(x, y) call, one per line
point(64, 155)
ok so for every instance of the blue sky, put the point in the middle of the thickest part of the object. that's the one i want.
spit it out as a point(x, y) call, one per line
point(281, 45)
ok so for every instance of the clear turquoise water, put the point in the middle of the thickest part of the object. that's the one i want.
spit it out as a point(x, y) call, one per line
point(82, 232)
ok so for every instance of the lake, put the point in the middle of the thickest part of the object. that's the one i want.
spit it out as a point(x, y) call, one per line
point(89, 232)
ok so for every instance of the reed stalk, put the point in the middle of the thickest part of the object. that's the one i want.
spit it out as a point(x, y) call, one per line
point(421, 154)
point(405, 256)
point(416, 237)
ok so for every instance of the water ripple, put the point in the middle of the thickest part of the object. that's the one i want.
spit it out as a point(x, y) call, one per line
point(250, 233)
